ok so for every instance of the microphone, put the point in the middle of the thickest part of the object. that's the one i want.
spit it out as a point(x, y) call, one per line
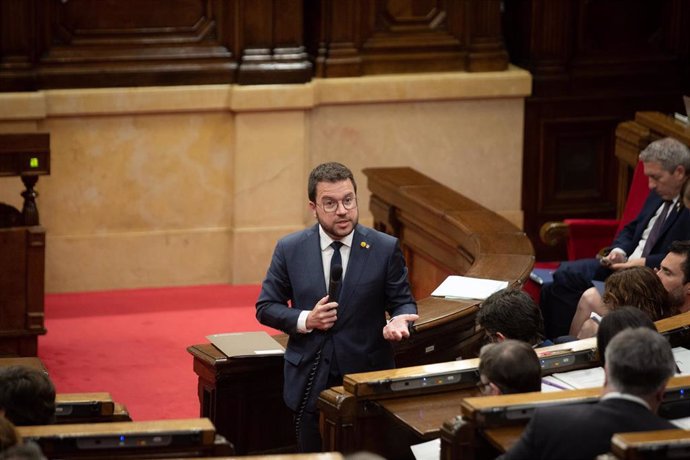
point(334, 282)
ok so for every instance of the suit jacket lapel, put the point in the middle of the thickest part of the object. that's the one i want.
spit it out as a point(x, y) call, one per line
point(311, 253)
point(673, 214)
point(359, 255)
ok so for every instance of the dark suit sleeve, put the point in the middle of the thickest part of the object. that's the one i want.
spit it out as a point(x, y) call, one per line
point(398, 292)
point(525, 448)
point(272, 306)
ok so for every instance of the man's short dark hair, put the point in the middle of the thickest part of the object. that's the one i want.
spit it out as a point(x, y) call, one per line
point(513, 313)
point(511, 365)
point(618, 320)
point(682, 248)
point(27, 396)
point(328, 172)
point(639, 362)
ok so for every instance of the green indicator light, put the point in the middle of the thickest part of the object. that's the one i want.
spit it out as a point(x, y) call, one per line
point(33, 162)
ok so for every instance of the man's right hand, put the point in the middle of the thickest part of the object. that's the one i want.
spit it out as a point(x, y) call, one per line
point(614, 257)
point(323, 315)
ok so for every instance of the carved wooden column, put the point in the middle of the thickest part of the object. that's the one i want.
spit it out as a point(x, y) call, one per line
point(271, 42)
point(485, 42)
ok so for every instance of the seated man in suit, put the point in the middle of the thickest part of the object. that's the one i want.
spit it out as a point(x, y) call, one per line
point(644, 241)
point(674, 273)
point(639, 363)
point(512, 314)
point(27, 396)
point(508, 367)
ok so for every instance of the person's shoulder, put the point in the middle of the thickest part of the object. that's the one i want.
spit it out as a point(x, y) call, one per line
point(371, 235)
point(299, 235)
point(564, 412)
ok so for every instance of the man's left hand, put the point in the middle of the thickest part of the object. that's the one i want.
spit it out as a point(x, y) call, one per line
point(397, 328)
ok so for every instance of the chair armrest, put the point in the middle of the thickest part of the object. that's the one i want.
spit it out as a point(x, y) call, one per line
point(554, 232)
point(588, 236)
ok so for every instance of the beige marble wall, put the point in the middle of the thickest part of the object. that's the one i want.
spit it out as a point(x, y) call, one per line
point(193, 185)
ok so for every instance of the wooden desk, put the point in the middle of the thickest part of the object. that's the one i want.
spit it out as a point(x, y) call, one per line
point(154, 439)
point(362, 414)
point(649, 445)
point(366, 404)
point(73, 408)
point(441, 232)
point(32, 362)
point(244, 399)
point(490, 425)
point(23, 248)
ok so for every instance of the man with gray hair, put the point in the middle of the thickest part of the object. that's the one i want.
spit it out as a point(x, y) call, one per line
point(644, 241)
point(639, 363)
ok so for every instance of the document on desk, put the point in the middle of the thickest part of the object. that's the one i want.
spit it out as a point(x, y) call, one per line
point(682, 357)
point(238, 344)
point(430, 450)
point(583, 378)
point(465, 287)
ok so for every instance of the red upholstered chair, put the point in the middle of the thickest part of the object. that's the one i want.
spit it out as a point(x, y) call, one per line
point(586, 237)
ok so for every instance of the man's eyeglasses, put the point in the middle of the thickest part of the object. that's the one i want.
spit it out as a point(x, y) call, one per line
point(328, 205)
point(484, 387)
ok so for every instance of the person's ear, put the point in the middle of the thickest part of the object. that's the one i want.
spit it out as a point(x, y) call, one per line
point(500, 337)
point(680, 172)
point(606, 375)
point(312, 206)
point(494, 390)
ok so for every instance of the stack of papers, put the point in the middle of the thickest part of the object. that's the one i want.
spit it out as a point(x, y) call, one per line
point(594, 377)
point(464, 287)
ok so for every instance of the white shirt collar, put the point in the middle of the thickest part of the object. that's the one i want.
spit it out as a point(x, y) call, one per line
point(326, 240)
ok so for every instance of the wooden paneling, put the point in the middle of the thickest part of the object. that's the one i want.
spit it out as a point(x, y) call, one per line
point(365, 37)
point(99, 43)
point(594, 64)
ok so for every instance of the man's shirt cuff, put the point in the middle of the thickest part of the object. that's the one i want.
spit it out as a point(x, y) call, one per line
point(302, 322)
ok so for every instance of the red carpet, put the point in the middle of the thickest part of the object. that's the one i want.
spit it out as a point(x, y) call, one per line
point(133, 343)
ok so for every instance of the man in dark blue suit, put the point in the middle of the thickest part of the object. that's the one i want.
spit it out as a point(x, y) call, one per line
point(335, 328)
point(644, 241)
point(639, 363)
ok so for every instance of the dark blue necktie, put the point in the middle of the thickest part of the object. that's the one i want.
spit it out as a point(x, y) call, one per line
point(336, 259)
point(656, 229)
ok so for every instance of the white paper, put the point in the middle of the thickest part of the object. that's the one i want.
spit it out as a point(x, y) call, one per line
point(583, 378)
point(430, 450)
point(683, 422)
point(464, 287)
point(682, 357)
point(549, 384)
point(277, 351)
